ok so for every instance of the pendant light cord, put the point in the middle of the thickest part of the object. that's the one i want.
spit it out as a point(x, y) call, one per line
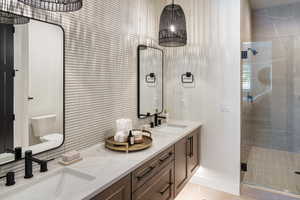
point(172, 11)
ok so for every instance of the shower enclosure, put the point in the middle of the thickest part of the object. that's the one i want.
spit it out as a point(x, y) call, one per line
point(271, 100)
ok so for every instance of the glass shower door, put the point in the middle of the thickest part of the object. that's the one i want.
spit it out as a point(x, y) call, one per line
point(271, 115)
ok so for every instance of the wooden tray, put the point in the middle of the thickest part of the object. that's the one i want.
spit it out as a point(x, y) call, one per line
point(111, 144)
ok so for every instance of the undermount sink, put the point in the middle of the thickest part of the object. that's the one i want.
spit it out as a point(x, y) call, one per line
point(171, 128)
point(62, 184)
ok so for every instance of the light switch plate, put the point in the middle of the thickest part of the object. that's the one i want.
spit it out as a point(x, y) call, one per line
point(225, 108)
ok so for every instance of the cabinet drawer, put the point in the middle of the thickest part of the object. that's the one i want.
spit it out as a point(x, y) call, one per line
point(159, 187)
point(118, 191)
point(152, 167)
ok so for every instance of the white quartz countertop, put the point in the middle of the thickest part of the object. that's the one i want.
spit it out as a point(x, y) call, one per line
point(108, 166)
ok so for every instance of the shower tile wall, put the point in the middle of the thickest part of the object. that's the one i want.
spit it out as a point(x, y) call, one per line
point(274, 118)
point(100, 86)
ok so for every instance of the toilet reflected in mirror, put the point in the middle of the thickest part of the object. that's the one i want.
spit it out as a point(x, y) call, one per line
point(45, 129)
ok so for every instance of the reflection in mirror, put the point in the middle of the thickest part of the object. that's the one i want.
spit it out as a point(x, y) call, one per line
point(9, 18)
point(150, 75)
point(32, 96)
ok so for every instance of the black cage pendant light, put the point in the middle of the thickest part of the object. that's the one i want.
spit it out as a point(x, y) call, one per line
point(55, 5)
point(172, 27)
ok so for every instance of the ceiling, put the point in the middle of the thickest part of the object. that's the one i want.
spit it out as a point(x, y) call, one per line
point(257, 4)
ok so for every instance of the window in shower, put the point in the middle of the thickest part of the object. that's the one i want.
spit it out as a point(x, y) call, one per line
point(246, 77)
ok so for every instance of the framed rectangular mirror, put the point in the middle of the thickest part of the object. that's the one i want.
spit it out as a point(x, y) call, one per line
point(150, 81)
point(32, 86)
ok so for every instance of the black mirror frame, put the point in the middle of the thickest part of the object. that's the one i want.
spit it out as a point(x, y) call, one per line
point(142, 47)
point(64, 74)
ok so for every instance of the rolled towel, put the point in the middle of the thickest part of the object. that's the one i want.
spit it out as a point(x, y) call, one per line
point(121, 136)
point(120, 124)
point(124, 125)
point(128, 125)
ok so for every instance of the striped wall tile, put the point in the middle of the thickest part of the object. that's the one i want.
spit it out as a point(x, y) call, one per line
point(100, 65)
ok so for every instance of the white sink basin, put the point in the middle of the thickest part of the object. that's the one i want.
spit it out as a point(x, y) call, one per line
point(171, 128)
point(62, 184)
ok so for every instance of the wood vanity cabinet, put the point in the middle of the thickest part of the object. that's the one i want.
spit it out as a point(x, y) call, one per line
point(162, 177)
point(159, 187)
point(187, 159)
point(181, 171)
point(154, 180)
point(193, 144)
point(144, 173)
point(118, 191)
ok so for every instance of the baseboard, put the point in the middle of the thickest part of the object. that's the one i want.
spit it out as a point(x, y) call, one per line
point(230, 188)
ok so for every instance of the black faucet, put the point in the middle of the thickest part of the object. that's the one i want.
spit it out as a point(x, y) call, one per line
point(156, 117)
point(17, 152)
point(10, 178)
point(29, 159)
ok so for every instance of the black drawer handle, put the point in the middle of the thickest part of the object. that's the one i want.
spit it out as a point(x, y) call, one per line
point(148, 171)
point(163, 159)
point(191, 139)
point(165, 189)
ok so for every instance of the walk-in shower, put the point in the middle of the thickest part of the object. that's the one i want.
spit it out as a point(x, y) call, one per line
point(271, 99)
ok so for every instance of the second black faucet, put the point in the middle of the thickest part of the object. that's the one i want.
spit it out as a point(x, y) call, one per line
point(29, 159)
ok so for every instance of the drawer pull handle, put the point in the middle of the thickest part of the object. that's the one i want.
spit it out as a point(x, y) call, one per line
point(191, 139)
point(166, 157)
point(148, 171)
point(165, 189)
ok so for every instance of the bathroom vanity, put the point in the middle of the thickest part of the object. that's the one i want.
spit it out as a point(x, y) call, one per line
point(38, 125)
point(159, 172)
point(161, 178)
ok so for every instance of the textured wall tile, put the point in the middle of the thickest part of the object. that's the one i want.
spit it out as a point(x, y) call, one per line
point(213, 56)
point(100, 69)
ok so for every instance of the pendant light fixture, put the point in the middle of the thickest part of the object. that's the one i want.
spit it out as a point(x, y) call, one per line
point(9, 18)
point(172, 27)
point(54, 5)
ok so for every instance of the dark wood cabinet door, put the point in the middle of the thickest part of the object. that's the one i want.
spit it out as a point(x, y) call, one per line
point(193, 145)
point(118, 191)
point(181, 171)
point(141, 175)
point(159, 187)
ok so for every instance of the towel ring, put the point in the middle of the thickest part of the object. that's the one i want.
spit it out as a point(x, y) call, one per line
point(188, 77)
point(150, 78)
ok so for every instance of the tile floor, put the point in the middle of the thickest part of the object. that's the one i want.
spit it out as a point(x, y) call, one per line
point(273, 169)
point(197, 192)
